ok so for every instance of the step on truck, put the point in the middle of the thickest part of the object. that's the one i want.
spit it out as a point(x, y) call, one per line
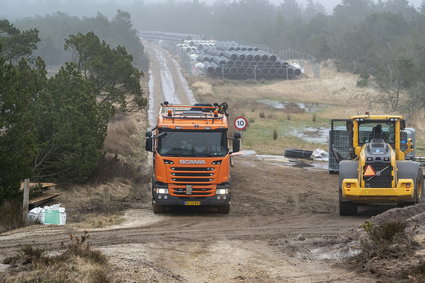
point(375, 157)
point(191, 157)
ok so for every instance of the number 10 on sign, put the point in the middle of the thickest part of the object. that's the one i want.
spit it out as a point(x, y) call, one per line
point(241, 123)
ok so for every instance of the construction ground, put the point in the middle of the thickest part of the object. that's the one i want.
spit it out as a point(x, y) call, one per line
point(283, 225)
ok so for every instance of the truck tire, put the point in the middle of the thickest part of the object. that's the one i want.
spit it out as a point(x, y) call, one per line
point(347, 208)
point(298, 153)
point(157, 208)
point(223, 209)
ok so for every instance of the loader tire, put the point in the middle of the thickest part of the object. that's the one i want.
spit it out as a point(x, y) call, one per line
point(223, 209)
point(419, 190)
point(347, 208)
point(420, 186)
point(157, 208)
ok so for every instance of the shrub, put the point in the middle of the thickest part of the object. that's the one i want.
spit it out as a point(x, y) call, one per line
point(11, 214)
point(78, 263)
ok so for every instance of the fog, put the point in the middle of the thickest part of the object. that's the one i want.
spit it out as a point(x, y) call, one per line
point(12, 9)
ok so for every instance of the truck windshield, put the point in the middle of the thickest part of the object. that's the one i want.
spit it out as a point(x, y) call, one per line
point(192, 143)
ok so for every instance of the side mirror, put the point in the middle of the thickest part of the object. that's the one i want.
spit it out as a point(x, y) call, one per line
point(236, 142)
point(149, 143)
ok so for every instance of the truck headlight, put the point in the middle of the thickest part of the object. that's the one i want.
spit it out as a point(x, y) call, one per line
point(161, 191)
point(222, 191)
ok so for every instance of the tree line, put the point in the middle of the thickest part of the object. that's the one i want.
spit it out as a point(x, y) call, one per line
point(377, 39)
point(54, 127)
point(55, 28)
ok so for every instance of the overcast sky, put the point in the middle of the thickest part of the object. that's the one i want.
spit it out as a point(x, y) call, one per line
point(17, 8)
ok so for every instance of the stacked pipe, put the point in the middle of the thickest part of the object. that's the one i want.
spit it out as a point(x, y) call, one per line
point(231, 60)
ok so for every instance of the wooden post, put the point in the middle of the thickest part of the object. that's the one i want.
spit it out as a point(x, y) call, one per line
point(26, 201)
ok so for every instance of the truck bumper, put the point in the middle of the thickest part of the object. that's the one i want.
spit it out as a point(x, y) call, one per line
point(168, 200)
point(352, 191)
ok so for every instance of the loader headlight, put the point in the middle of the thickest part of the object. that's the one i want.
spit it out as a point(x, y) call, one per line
point(222, 191)
point(161, 191)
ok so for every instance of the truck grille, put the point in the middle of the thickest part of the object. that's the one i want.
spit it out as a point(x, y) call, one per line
point(192, 169)
point(382, 181)
point(200, 178)
point(196, 191)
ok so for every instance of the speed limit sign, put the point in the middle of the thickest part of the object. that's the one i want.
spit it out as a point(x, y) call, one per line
point(241, 123)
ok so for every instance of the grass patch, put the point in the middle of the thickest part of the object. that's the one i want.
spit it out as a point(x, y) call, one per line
point(101, 221)
point(334, 89)
point(77, 263)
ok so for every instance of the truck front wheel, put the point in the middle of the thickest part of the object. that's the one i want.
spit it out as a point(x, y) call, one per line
point(224, 209)
point(157, 208)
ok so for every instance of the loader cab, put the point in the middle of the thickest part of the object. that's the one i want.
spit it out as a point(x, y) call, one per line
point(369, 130)
point(387, 128)
point(348, 136)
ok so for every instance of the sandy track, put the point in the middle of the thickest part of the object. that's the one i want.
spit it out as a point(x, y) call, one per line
point(271, 205)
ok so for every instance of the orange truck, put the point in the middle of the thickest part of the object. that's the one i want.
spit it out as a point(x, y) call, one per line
point(191, 157)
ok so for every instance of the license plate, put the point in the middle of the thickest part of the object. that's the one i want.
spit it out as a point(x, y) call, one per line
point(192, 203)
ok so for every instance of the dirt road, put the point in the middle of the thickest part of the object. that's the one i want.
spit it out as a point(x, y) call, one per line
point(166, 82)
point(279, 218)
point(283, 225)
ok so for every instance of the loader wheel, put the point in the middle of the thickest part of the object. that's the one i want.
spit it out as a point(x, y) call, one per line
point(419, 191)
point(347, 208)
point(157, 208)
point(420, 187)
point(223, 209)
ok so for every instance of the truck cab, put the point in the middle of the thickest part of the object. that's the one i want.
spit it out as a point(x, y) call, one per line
point(191, 157)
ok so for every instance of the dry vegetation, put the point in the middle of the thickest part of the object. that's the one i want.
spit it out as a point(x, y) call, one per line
point(389, 252)
point(76, 263)
point(335, 95)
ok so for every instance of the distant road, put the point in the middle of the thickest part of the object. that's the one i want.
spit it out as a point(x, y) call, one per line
point(166, 83)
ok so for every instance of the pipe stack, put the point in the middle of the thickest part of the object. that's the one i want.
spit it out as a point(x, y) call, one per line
point(232, 60)
point(235, 61)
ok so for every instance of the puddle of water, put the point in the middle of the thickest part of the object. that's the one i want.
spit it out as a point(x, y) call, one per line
point(321, 165)
point(313, 135)
point(324, 253)
point(286, 105)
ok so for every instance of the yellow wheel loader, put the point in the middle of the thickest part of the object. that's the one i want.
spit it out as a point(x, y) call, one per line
point(375, 162)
